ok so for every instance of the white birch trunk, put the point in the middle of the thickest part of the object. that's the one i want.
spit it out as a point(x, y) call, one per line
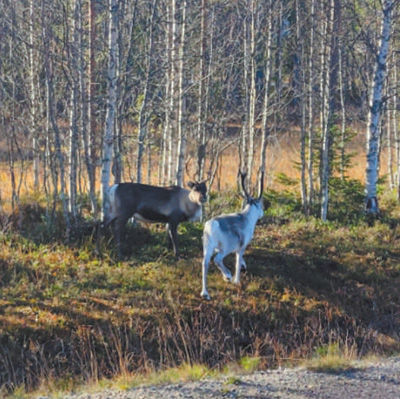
point(73, 137)
point(374, 114)
point(144, 113)
point(33, 97)
point(299, 97)
point(396, 132)
point(181, 104)
point(201, 109)
point(46, 25)
point(268, 71)
point(324, 167)
point(245, 128)
point(111, 105)
point(389, 119)
point(252, 94)
point(172, 95)
point(343, 116)
point(333, 33)
point(310, 163)
point(85, 118)
point(93, 147)
point(166, 132)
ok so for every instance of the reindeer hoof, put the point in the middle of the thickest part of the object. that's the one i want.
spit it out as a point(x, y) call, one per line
point(205, 296)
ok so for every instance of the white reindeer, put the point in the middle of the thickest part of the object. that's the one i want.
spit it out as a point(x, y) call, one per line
point(225, 234)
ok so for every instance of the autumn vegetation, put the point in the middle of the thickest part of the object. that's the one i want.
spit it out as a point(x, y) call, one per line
point(162, 92)
point(70, 315)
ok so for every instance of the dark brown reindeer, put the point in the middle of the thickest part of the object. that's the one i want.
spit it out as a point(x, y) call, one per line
point(171, 205)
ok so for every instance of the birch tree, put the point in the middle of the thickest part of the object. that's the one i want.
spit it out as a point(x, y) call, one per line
point(267, 74)
point(252, 92)
point(333, 30)
point(202, 100)
point(310, 93)
point(33, 65)
point(144, 113)
point(111, 103)
point(73, 60)
point(300, 102)
point(375, 109)
point(181, 102)
point(85, 82)
point(51, 111)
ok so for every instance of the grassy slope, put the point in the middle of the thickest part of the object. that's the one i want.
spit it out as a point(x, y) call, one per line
point(66, 312)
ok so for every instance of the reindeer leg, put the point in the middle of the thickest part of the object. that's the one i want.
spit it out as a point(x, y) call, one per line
point(240, 264)
point(224, 270)
point(206, 263)
point(118, 231)
point(173, 235)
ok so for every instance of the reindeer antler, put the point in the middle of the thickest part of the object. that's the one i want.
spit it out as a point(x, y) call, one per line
point(187, 169)
point(243, 177)
point(261, 186)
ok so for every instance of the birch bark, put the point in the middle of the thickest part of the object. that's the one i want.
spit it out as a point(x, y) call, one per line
point(374, 114)
point(333, 32)
point(49, 71)
point(252, 93)
point(144, 112)
point(268, 72)
point(111, 105)
point(33, 97)
point(310, 162)
point(181, 103)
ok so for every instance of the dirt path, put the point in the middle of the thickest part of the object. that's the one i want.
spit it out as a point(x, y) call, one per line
point(378, 380)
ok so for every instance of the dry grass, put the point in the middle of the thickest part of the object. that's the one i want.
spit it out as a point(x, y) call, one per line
point(282, 157)
point(69, 316)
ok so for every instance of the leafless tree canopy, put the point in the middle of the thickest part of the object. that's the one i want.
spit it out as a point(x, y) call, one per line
point(97, 92)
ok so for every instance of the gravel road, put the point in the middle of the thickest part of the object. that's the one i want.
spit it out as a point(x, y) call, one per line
point(367, 380)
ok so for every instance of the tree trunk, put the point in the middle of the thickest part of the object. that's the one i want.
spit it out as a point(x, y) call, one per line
point(33, 98)
point(85, 117)
point(299, 89)
point(144, 112)
point(252, 93)
point(201, 108)
point(267, 73)
point(310, 163)
point(343, 116)
point(111, 104)
point(48, 66)
point(74, 134)
point(374, 114)
point(181, 104)
point(173, 92)
point(333, 31)
point(91, 96)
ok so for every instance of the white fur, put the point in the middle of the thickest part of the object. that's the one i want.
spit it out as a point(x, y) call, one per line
point(197, 215)
point(226, 234)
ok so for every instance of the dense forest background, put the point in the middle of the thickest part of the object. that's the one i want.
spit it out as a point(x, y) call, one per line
point(166, 91)
point(149, 90)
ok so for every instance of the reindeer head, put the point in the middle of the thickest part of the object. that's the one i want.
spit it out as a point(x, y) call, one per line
point(198, 191)
point(256, 202)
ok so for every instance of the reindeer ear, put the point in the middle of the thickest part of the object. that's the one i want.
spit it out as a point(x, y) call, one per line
point(190, 184)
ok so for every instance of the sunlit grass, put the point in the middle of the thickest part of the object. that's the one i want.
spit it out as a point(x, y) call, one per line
point(332, 358)
point(89, 317)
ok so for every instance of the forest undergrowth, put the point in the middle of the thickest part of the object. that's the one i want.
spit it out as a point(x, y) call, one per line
point(70, 316)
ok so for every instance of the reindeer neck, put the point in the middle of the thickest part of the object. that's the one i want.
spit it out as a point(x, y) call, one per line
point(192, 204)
point(250, 211)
